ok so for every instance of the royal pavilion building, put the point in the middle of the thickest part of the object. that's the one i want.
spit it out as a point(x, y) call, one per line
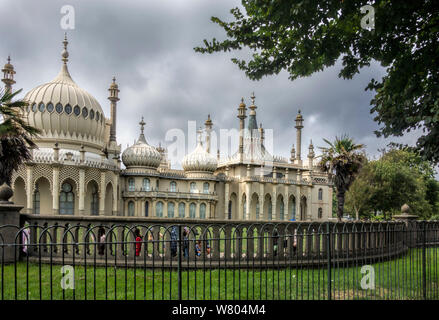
point(77, 168)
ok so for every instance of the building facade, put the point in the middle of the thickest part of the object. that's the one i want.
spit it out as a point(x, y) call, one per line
point(77, 168)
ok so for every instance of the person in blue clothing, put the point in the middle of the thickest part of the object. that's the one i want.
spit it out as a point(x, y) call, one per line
point(185, 242)
point(174, 239)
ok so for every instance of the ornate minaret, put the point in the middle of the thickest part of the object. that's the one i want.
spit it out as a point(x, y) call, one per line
point(208, 125)
point(252, 124)
point(299, 127)
point(241, 115)
point(114, 98)
point(8, 75)
point(311, 155)
point(262, 134)
point(293, 154)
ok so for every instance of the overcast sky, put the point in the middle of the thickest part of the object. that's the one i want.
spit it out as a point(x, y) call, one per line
point(148, 45)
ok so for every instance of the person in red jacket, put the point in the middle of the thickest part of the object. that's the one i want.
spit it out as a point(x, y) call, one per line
point(138, 241)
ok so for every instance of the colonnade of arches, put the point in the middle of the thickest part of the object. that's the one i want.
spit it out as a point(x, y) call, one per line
point(263, 210)
point(169, 209)
point(42, 199)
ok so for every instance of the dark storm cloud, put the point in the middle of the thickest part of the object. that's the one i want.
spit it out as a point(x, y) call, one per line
point(148, 46)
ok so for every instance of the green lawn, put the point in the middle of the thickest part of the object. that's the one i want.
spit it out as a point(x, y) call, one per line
point(397, 279)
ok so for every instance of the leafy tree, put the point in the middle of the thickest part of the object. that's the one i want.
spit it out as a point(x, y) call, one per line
point(359, 195)
point(303, 37)
point(398, 177)
point(15, 135)
point(343, 160)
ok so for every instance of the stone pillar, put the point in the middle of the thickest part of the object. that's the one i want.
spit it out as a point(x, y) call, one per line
point(274, 204)
point(102, 195)
point(9, 215)
point(410, 223)
point(248, 201)
point(116, 196)
point(81, 204)
point(30, 187)
point(55, 189)
point(261, 202)
point(298, 203)
point(226, 200)
point(309, 203)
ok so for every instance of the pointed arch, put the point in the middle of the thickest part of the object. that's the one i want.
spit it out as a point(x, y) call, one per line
point(280, 207)
point(243, 206)
point(268, 206)
point(303, 208)
point(108, 207)
point(233, 206)
point(20, 195)
point(92, 198)
point(292, 208)
point(254, 207)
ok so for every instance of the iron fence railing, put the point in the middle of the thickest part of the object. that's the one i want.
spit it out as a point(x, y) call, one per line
point(102, 258)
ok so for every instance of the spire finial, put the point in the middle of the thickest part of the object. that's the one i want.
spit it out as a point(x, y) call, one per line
point(142, 125)
point(65, 53)
point(199, 132)
point(253, 98)
point(9, 58)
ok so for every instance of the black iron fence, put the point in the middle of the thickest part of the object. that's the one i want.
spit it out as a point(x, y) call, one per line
point(103, 258)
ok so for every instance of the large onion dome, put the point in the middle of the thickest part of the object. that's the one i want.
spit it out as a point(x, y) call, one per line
point(141, 154)
point(66, 113)
point(199, 160)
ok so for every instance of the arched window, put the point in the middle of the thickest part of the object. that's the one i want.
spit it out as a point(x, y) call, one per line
point(173, 186)
point(193, 187)
point(131, 209)
point(320, 213)
point(94, 201)
point(181, 210)
point(202, 211)
point(320, 194)
point(171, 210)
point(270, 213)
point(37, 200)
point(192, 208)
point(146, 184)
point(66, 199)
point(257, 210)
point(131, 186)
point(293, 211)
point(159, 209)
point(281, 211)
point(206, 187)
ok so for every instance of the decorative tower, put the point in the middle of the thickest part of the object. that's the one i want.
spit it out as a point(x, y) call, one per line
point(208, 125)
point(8, 75)
point(293, 154)
point(252, 124)
point(299, 127)
point(311, 155)
point(114, 98)
point(241, 116)
point(262, 134)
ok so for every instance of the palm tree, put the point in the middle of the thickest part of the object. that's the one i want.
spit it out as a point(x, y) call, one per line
point(15, 135)
point(342, 160)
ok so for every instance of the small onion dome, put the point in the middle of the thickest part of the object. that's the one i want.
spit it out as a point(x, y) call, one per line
point(141, 154)
point(199, 160)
